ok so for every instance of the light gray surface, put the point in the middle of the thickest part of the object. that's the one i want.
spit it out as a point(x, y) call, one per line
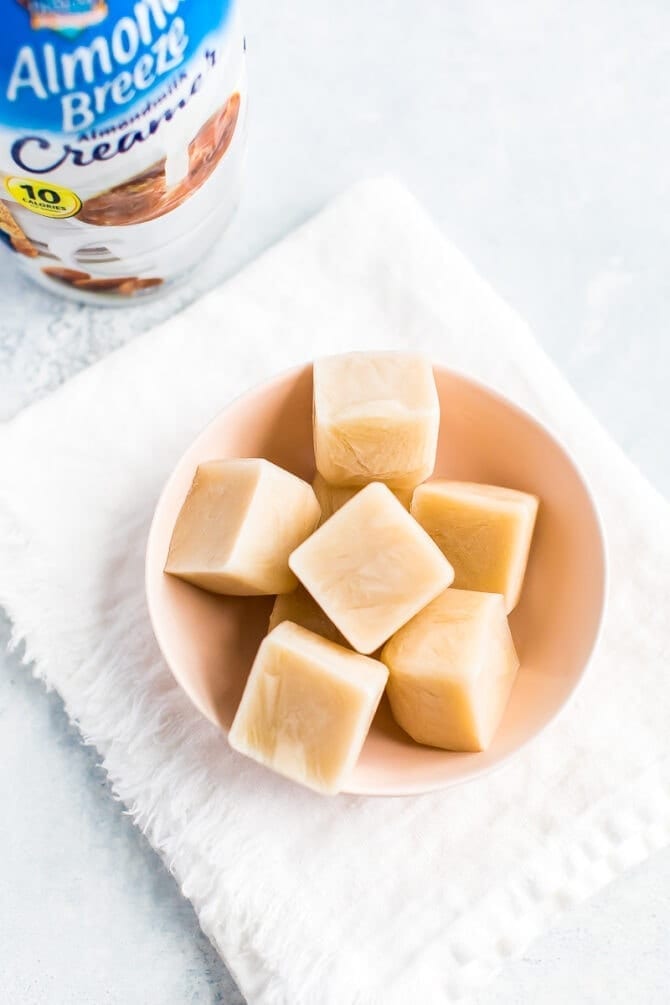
point(536, 133)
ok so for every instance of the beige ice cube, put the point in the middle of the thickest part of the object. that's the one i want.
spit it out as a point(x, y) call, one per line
point(307, 707)
point(451, 670)
point(333, 497)
point(238, 525)
point(303, 610)
point(484, 530)
point(371, 567)
point(376, 418)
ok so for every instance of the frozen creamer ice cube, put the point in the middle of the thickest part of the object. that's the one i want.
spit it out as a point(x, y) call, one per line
point(303, 610)
point(238, 525)
point(333, 497)
point(376, 418)
point(451, 670)
point(371, 567)
point(484, 530)
point(307, 707)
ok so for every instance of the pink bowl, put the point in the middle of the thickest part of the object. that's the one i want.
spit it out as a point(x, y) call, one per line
point(209, 641)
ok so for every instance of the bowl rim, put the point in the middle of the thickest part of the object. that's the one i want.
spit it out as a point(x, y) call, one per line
point(469, 774)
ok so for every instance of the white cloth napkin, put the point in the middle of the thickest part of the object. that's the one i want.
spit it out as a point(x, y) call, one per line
point(351, 900)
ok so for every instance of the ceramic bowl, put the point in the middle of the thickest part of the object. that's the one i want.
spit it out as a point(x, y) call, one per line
point(209, 641)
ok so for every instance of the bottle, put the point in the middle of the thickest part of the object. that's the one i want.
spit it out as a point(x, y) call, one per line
point(122, 139)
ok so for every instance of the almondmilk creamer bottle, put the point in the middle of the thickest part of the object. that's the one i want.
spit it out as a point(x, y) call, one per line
point(122, 139)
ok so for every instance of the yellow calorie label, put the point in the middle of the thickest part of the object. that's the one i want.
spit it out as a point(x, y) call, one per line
point(44, 197)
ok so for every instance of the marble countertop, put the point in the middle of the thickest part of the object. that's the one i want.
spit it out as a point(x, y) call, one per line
point(537, 136)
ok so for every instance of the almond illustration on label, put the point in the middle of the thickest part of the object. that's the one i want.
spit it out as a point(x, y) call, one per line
point(17, 238)
point(124, 286)
point(148, 195)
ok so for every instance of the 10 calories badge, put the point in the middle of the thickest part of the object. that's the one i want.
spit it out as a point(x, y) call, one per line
point(44, 198)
